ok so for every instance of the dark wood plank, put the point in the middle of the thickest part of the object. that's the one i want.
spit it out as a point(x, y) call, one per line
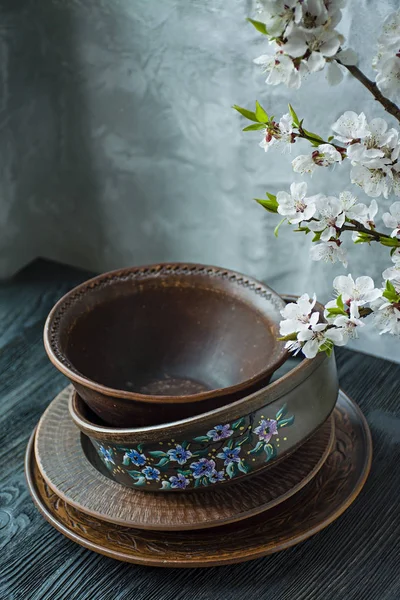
point(356, 558)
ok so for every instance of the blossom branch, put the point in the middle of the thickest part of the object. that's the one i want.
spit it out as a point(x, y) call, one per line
point(375, 236)
point(371, 86)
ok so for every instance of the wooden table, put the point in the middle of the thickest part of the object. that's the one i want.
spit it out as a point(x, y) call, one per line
point(357, 557)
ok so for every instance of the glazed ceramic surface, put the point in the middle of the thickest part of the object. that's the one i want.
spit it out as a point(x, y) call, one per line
point(153, 344)
point(223, 445)
point(76, 474)
point(324, 499)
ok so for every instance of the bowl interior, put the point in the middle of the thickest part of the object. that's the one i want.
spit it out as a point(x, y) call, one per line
point(162, 340)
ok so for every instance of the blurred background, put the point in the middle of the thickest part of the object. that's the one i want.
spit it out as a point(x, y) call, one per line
point(119, 145)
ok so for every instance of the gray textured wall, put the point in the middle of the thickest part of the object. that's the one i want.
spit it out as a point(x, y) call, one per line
point(119, 146)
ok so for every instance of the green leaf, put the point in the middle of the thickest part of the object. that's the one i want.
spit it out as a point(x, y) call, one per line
point(165, 485)
point(317, 236)
point(254, 127)
point(293, 115)
point(291, 337)
point(164, 461)
point(238, 423)
point(135, 473)
point(140, 448)
point(230, 469)
point(332, 312)
point(286, 422)
point(204, 480)
point(281, 412)
point(185, 473)
point(269, 205)
point(269, 451)
point(305, 229)
point(243, 440)
point(259, 447)
point(261, 27)
point(126, 460)
point(157, 453)
point(230, 444)
point(314, 136)
point(197, 483)
point(201, 452)
point(277, 227)
point(330, 138)
point(363, 238)
point(326, 347)
point(390, 292)
point(261, 114)
point(387, 241)
point(201, 439)
point(140, 482)
point(243, 467)
point(246, 113)
point(340, 303)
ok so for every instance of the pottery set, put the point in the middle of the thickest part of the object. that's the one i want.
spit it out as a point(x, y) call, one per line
point(183, 414)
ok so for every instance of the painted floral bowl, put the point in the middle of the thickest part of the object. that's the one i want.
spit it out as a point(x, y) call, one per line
point(150, 345)
point(225, 444)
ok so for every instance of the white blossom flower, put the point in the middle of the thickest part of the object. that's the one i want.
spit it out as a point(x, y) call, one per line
point(278, 133)
point(347, 325)
point(373, 151)
point(280, 69)
point(329, 252)
point(297, 315)
point(386, 317)
point(387, 60)
point(350, 126)
point(392, 219)
point(322, 46)
point(279, 15)
point(380, 142)
point(330, 217)
point(375, 179)
point(317, 337)
point(393, 273)
point(358, 292)
point(325, 156)
point(295, 206)
point(335, 69)
point(352, 209)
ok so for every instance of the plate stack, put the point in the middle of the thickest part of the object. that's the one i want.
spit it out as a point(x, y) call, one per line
point(187, 437)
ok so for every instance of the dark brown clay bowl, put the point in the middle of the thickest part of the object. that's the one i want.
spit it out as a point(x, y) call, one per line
point(150, 345)
point(222, 445)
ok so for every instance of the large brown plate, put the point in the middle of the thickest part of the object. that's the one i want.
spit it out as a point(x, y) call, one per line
point(324, 499)
point(72, 469)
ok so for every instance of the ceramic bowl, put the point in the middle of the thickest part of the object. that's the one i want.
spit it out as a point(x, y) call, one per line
point(225, 444)
point(150, 345)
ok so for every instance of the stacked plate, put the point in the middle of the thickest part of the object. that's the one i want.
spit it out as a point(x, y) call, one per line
point(173, 446)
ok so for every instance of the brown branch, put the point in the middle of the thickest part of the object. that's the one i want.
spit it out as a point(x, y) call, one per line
point(376, 235)
point(387, 104)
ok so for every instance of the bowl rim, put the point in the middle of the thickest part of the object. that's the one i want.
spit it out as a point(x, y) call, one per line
point(51, 329)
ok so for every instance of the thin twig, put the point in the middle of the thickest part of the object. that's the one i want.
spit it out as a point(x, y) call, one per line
point(376, 235)
point(388, 105)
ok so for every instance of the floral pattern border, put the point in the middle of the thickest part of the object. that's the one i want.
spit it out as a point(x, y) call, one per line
point(224, 452)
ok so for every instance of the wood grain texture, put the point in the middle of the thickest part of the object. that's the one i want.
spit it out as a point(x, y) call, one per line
point(356, 558)
point(319, 503)
point(65, 467)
